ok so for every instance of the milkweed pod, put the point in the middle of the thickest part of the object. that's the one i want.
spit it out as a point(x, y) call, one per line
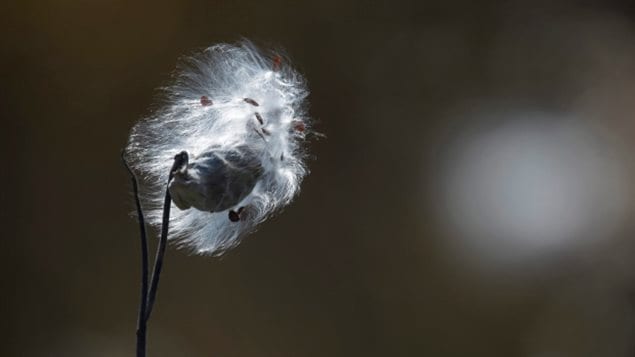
point(233, 109)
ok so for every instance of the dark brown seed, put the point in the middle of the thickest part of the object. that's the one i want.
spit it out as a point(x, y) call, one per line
point(277, 62)
point(262, 122)
point(206, 101)
point(234, 216)
point(260, 134)
point(251, 101)
point(298, 125)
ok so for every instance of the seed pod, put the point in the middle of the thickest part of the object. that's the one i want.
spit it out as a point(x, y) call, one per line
point(243, 145)
point(216, 180)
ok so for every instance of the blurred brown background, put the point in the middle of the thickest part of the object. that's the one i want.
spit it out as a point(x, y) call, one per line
point(360, 264)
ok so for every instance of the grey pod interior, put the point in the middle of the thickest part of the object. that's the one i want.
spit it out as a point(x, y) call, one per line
point(216, 180)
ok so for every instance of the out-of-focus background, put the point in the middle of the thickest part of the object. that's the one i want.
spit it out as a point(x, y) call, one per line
point(473, 195)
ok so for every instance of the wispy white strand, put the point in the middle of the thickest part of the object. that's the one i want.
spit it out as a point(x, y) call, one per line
point(215, 104)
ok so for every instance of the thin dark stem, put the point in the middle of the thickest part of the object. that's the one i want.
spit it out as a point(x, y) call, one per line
point(179, 160)
point(141, 319)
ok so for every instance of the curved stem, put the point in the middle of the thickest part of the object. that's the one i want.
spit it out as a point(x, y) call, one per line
point(141, 319)
point(179, 160)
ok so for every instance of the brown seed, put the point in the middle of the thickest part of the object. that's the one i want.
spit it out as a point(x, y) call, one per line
point(234, 216)
point(259, 118)
point(277, 62)
point(298, 125)
point(260, 134)
point(206, 101)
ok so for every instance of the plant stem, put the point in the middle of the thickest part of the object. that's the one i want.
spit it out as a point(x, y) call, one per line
point(179, 160)
point(148, 295)
point(141, 319)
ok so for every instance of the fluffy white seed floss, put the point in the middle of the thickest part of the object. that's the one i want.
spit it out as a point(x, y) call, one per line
point(237, 114)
